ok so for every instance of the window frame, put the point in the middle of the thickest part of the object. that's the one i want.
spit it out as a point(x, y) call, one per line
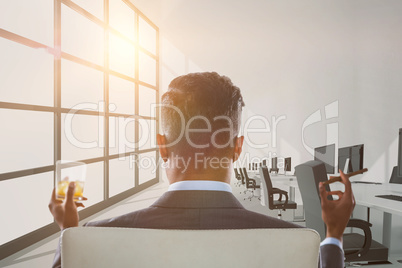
point(30, 238)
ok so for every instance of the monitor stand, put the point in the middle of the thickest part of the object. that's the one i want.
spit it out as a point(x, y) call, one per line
point(274, 170)
point(346, 168)
point(284, 170)
point(394, 177)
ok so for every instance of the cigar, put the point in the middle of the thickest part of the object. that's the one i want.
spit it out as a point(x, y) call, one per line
point(335, 179)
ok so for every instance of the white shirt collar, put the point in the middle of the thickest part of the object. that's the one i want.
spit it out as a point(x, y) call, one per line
point(200, 186)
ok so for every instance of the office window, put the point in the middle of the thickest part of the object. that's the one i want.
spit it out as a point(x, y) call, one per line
point(122, 18)
point(147, 134)
point(147, 69)
point(147, 104)
point(23, 135)
point(121, 135)
point(93, 187)
point(81, 136)
point(81, 87)
point(121, 95)
point(34, 65)
point(24, 217)
point(121, 173)
point(147, 166)
point(95, 7)
point(122, 55)
point(31, 19)
point(147, 36)
point(81, 37)
point(75, 84)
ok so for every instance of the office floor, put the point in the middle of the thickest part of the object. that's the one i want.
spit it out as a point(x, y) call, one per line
point(41, 254)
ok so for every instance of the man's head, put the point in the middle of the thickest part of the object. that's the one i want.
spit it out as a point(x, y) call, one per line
point(201, 117)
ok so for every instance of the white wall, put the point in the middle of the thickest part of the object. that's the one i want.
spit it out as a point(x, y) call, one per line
point(292, 58)
point(378, 82)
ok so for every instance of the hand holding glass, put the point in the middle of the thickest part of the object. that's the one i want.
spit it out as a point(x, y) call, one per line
point(67, 171)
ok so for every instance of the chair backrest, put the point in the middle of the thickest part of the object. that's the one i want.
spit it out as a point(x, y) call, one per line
point(242, 176)
point(245, 175)
point(309, 175)
point(131, 247)
point(264, 174)
point(237, 175)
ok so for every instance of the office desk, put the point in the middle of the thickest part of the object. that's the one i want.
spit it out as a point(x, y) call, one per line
point(288, 180)
point(282, 182)
point(365, 196)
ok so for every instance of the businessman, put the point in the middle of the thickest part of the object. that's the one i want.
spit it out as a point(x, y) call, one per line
point(200, 122)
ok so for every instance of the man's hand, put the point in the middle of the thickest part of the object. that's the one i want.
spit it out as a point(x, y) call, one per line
point(336, 213)
point(65, 212)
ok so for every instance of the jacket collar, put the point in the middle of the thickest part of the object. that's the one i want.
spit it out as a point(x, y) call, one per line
point(197, 199)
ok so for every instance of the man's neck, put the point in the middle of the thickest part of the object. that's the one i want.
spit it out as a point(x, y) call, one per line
point(176, 175)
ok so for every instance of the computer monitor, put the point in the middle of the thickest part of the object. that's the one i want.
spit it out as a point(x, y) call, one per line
point(396, 176)
point(288, 164)
point(274, 167)
point(350, 159)
point(326, 154)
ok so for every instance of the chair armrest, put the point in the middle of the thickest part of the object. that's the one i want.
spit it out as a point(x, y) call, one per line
point(365, 226)
point(251, 183)
point(281, 193)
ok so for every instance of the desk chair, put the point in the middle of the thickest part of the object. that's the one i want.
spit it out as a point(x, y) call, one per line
point(105, 247)
point(251, 186)
point(243, 180)
point(357, 248)
point(270, 191)
point(238, 177)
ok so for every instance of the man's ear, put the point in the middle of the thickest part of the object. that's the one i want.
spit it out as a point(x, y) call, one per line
point(161, 140)
point(238, 147)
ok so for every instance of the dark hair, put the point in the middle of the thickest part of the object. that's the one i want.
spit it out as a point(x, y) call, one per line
point(201, 94)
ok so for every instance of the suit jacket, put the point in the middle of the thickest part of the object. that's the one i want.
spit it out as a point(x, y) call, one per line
point(205, 210)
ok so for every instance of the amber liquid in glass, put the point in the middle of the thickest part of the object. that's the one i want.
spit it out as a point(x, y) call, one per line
point(62, 187)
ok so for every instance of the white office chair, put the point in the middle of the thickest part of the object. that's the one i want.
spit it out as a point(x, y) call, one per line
point(131, 247)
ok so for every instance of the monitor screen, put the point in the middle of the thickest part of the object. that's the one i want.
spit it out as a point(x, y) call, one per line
point(274, 162)
point(326, 154)
point(352, 156)
point(288, 164)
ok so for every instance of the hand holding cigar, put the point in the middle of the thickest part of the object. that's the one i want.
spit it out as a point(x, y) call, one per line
point(335, 179)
